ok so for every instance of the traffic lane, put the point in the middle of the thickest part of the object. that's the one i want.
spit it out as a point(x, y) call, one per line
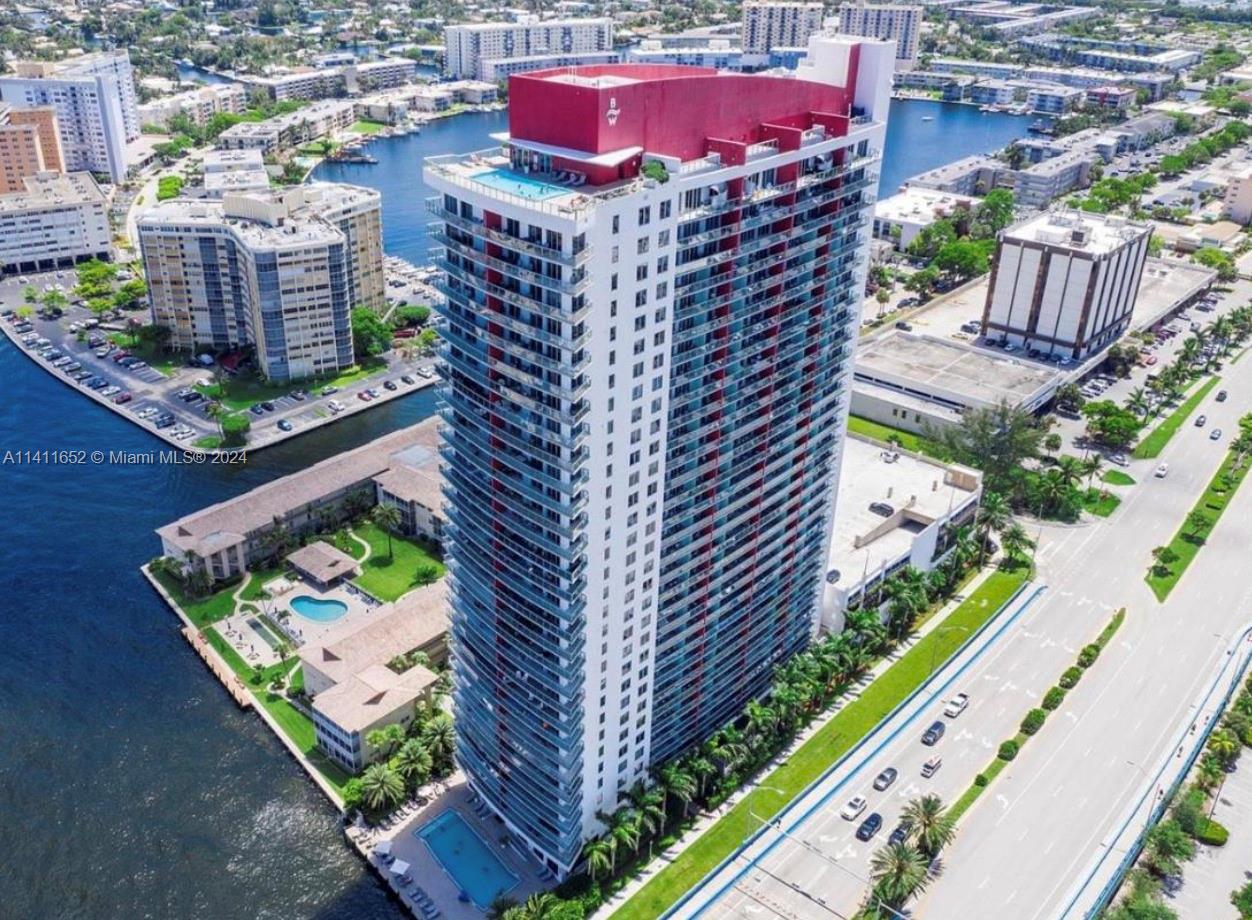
point(1003, 687)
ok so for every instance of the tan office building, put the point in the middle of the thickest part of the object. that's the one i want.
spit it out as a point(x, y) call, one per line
point(28, 145)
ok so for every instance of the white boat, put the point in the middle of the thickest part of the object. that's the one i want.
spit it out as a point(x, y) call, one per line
point(928, 118)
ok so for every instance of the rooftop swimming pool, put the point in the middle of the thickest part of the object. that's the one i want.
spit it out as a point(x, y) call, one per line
point(520, 184)
point(319, 610)
point(469, 862)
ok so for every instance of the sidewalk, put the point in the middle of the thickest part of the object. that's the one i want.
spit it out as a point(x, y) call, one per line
point(708, 819)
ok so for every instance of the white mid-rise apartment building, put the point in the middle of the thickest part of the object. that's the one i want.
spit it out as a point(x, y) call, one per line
point(545, 43)
point(1237, 200)
point(1064, 283)
point(199, 104)
point(96, 106)
point(651, 305)
point(280, 271)
point(900, 23)
point(767, 26)
point(60, 219)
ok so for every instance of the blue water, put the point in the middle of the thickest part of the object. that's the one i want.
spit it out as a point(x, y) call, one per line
point(515, 183)
point(463, 855)
point(913, 146)
point(318, 609)
point(130, 784)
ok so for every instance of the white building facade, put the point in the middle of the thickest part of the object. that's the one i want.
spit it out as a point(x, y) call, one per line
point(60, 219)
point(767, 26)
point(645, 383)
point(551, 43)
point(902, 24)
point(1064, 283)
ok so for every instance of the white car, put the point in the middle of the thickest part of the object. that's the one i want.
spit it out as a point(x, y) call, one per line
point(853, 809)
point(1162, 471)
point(335, 406)
point(956, 705)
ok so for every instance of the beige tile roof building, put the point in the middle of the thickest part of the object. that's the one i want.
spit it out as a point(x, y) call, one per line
point(323, 563)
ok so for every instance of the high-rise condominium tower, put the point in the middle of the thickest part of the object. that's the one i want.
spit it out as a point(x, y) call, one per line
point(651, 299)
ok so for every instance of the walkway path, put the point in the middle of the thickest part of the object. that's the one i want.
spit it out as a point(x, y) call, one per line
point(369, 549)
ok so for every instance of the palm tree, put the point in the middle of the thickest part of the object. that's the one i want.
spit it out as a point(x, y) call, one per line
point(1092, 465)
point(439, 737)
point(1225, 746)
point(761, 719)
point(413, 763)
point(907, 591)
point(542, 905)
point(385, 740)
point(387, 517)
point(1016, 542)
point(866, 628)
point(1070, 469)
point(899, 872)
point(994, 514)
point(624, 828)
point(702, 769)
point(1137, 401)
point(599, 854)
point(677, 782)
point(381, 787)
point(931, 825)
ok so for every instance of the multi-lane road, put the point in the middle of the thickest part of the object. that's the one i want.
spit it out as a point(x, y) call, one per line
point(1023, 846)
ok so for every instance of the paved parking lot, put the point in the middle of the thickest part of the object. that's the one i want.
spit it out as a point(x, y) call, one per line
point(154, 399)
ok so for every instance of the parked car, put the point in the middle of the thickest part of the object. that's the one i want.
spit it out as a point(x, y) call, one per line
point(426, 372)
point(123, 397)
point(390, 385)
point(1119, 459)
point(853, 809)
point(932, 735)
point(882, 509)
point(256, 409)
point(364, 396)
point(284, 425)
point(405, 378)
point(904, 327)
point(884, 779)
point(267, 406)
point(869, 827)
point(956, 705)
point(327, 390)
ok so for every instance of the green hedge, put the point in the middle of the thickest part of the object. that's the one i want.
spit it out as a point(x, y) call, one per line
point(1211, 833)
point(981, 780)
point(1034, 721)
point(1070, 678)
point(1053, 698)
point(1008, 750)
point(1088, 656)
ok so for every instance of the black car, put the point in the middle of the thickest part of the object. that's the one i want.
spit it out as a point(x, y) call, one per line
point(869, 827)
point(882, 509)
point(1221, 395)
point(267, 406)
point(885, 778)
point(284, 425)
point(899, 835)
point(904, 327)
point(390, 385)
point(256, 409)
point(933, 734)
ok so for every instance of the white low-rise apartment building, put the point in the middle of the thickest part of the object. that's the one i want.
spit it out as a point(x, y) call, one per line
point(356, 681)
point(896, 509)
point(280, 271)
point(542, 43)
point(900, 218)
point(96, 106)
point(60, 219)
point(228, 171)
point(1064, 283)
point(199, 104)
point(318, 119)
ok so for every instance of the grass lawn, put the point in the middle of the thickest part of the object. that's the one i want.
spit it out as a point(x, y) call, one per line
point(294, 724)
point(1100, 503)
point(204, 610)
point(1186, 543)
point(884, 433)
point(165, 361)
point(248, 387)
point(1152, 445)
point(211, 442)
point(254, 590)
point(388, 576)
point(367, 127)
point(1118, 478)
point(962, 805)
point(816, 755)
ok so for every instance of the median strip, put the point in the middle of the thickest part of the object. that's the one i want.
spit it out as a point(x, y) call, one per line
point(1171, 560)
point(812, 759)
point(1152, 445)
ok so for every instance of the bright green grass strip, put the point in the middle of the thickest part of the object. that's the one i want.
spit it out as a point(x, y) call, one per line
point(201, 611)
point(829, 743)
point(1118, 478)
point(387, 575)
point(1106, 636)
point(1152, 445)
point(367, 127)
point(1100, 503)
point(1186, 543)
point(962, 805)
point(885, 433)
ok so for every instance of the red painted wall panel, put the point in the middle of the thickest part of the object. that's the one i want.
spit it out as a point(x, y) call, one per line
point(670, 110)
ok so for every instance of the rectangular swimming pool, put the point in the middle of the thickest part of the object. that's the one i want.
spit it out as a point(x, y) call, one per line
point(469, 862)
point(519, 184)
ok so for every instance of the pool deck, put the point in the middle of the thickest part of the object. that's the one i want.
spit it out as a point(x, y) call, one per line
point(426, 870)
